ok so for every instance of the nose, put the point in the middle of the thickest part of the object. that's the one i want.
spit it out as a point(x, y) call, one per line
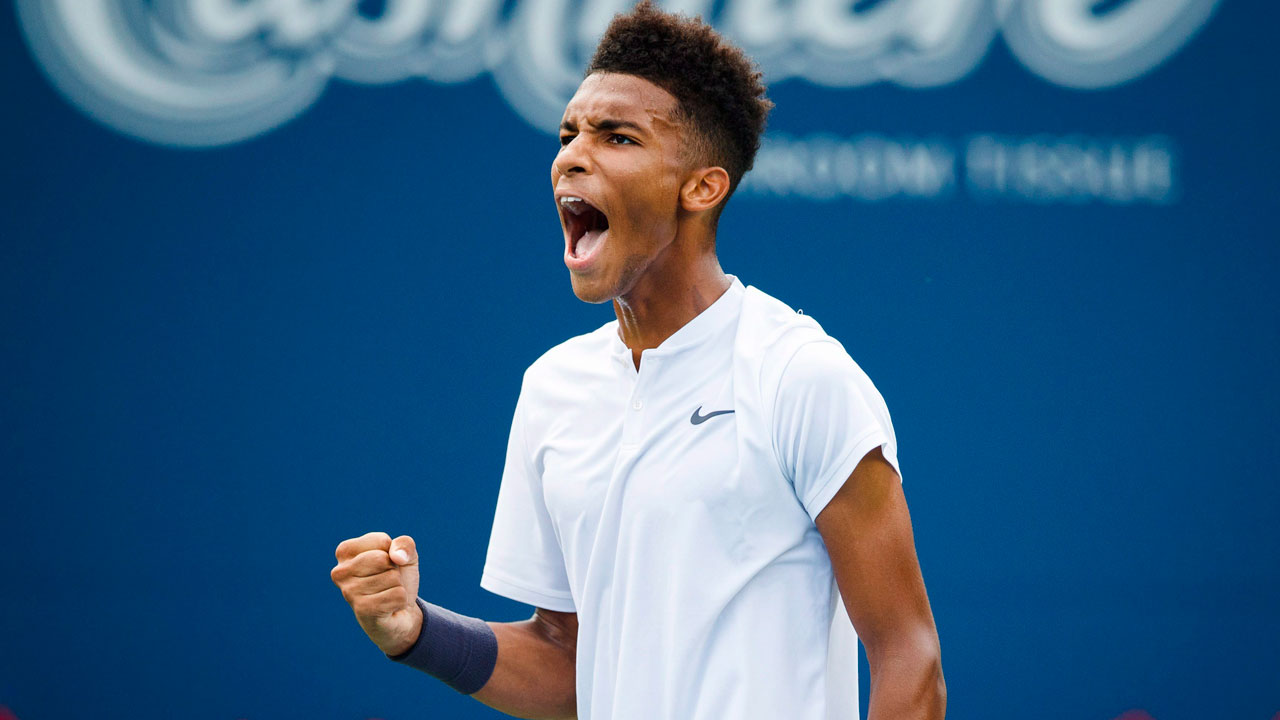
point(573, 158)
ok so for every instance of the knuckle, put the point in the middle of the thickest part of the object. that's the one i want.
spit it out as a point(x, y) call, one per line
point(354, 546)
point(365, 585)
point(372, 560)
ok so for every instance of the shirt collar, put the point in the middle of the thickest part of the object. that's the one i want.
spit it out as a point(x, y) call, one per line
point(702, 327)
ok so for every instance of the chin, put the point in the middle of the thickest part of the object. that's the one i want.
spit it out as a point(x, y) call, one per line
point(590, 292)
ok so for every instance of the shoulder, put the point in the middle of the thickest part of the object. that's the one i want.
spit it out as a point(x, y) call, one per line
point(816, 359)
point(778, 337)
point(796, 355)
point(822, 371)
point(572, 362)
point(765, 316)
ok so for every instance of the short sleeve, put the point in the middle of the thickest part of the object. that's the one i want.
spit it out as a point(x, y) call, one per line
point(525, 562)
point(827, 416)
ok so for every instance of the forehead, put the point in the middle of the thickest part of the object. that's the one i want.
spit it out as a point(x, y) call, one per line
point(614, 96)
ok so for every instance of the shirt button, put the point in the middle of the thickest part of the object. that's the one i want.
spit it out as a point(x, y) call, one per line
point(637, 405)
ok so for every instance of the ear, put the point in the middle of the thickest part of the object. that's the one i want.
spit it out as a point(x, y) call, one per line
point(704, 189)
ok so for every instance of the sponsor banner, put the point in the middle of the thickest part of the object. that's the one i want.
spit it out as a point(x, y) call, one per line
point(199, 73)
point(1037, 169)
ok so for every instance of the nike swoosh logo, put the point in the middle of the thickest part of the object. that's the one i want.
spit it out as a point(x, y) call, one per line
point(697, 419)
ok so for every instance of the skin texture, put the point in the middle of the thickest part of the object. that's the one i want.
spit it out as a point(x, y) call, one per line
point(625, 151)
point(658, 263)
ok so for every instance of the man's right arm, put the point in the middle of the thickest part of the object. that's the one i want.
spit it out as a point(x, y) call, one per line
point(533, 675)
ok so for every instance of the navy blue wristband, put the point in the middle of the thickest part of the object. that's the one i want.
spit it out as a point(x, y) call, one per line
point(461, 651)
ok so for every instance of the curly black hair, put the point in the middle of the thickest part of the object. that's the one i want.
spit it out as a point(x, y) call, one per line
point(719, 90)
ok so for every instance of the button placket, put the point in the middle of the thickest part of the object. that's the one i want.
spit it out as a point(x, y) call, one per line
point(633, 426)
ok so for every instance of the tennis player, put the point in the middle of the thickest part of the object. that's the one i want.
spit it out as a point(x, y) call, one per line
point(701, 498)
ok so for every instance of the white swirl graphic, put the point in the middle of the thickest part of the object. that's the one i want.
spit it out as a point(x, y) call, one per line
point(1067, 43)
point(201, 73)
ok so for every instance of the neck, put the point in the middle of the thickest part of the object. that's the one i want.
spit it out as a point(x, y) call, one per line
point(680, 284)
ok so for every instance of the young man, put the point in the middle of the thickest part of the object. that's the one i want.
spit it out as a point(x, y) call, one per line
point(683, 485)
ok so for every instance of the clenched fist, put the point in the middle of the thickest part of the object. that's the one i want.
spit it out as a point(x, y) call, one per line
point(378, 577)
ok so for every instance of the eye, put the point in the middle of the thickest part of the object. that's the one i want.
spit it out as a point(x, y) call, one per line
point(617, 139)
point(566, 139)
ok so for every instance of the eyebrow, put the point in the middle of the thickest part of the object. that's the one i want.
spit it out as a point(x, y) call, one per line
point(606, 125)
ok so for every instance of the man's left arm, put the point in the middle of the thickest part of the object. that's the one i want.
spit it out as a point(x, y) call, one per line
point(867, 530)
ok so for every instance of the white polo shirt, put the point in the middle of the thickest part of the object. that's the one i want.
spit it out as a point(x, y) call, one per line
point(672, 508)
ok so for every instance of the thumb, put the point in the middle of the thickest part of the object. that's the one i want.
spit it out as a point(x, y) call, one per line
point(403, 551)
point(405, 555)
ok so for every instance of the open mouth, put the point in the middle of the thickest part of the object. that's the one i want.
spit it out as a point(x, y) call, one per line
point(585, 224)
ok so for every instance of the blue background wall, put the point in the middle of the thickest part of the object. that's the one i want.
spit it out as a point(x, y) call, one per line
point(216, 364)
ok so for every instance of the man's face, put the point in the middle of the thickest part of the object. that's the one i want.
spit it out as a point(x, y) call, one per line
point(617, 182)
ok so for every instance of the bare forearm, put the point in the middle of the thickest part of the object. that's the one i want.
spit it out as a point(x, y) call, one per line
point(906, 680)
point(534, 677)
